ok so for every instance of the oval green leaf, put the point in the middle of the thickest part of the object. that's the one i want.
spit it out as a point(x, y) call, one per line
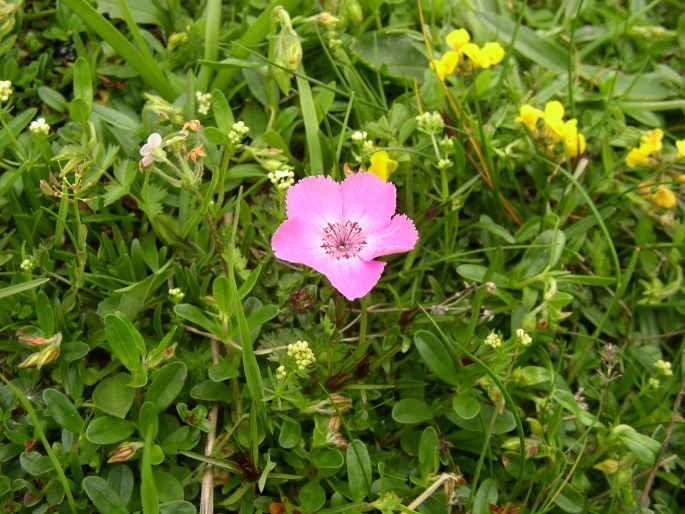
point(411, 411)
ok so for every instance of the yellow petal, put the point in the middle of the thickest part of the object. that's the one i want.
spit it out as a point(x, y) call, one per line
point(494, 51)
point(439, 67)
point(680, 145)
point(652, 140)
point(637, 156)
point(458, 38)
point(529, 116)
point(479, 58)
point(664, 197)
point(554, 110)
point(449, 61)
point(382, 165)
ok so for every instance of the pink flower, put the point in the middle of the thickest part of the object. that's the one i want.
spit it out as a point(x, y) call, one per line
point(339, 229)
point(152, 150)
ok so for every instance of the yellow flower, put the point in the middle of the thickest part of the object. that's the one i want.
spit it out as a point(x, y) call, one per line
point(652, 140)
point(478, 57)
point(554, 122)
point(458, 38)
point(494, 51)
point(680, 145)
point(446, 65)
point(529, 116)
point(664, 197)
point(382, 165)
point(575, 142)
point(638, 156)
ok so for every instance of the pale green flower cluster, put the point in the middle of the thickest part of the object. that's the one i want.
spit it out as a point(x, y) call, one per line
point(430, 123)
point(303, 355)
point(238, 132)
point(204, 102)
point(493, 340)
point(39, 127)
point(663, 368)
point(523, 337)
point(26, 265)
point(5, 90)
point(282, 179)
point(176, 294)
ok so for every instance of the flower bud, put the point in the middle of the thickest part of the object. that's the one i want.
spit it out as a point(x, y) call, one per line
point(124, 452)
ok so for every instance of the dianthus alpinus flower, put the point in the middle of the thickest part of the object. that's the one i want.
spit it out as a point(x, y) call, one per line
point(340, 228)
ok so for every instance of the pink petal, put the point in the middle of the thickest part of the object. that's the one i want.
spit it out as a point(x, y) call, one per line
point(353, 277)
point(154, 140)
point(317, 200)
point(400, 235)
point(368, 200)
point(299, 241)
point(145, 150)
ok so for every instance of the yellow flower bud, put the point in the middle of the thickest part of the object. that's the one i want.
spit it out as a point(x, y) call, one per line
point(664, 197)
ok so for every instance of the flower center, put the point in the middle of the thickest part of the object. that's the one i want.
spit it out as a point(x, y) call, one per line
point(343, 241)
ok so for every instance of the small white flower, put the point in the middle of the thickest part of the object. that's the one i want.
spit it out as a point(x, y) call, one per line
point(26, 265)
point(444, 163)
point(238, 132)
point(5, 90)
point(204, 102)
point(523, 337)
point(39, 127)
point(493, 340)
point(430, 122)
point(176, 294)
point(152, 150)
point(282, 179)
point(663, 368)
point(358, 136)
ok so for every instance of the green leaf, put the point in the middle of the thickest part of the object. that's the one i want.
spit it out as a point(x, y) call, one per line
point(46, 317)
point(167, 383)
point(125, 341)
point(83, 83)
point(358, 470)
point(486, 496)
point(147, 13)
point(222, 112)
point(195, 315)
point(24, 286)
point(16, 125)
point(466, 407)
point(114, 396)
point(121, 480)
point(62, 410)
point(103, 496)
point(109, 430)
point(429, 453)
point(410, 411)
point(148, 421)
point(328, 458)
point(543, 253)
point(643, 447)
point(211, 391)
point(291, 434)
point(222, 296)
point(433, 353)
point(312, 496)
point(53, 99)
point(311, 127)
